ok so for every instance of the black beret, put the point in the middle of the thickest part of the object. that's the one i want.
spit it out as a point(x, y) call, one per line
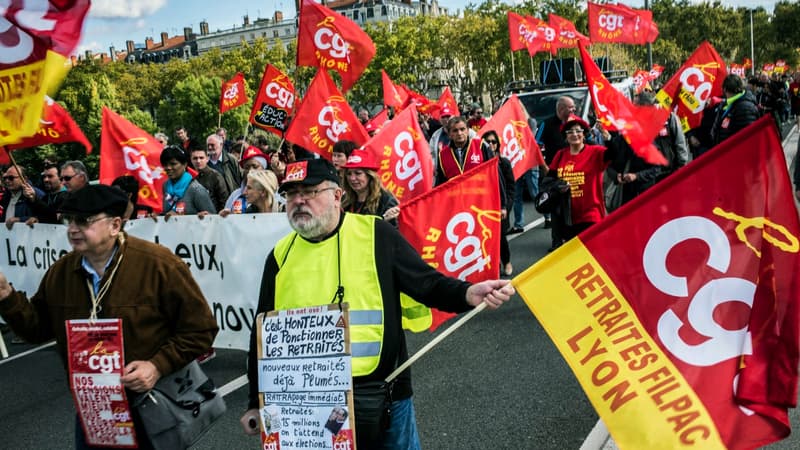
point(95, 199)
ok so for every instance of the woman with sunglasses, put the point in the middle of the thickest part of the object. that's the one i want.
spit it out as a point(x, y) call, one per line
point(582, 166)
point(507, 187)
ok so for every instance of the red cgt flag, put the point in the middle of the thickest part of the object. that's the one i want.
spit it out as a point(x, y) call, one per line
point(567, 35)
point(546, 37)
point(233, 93)
point(324, 118)
point(56, 126)
point(638, 125)
point(462, 239)
point(684, 333)
point(125, 149)
point(35, 40)
point(377, 122)
point(329, 40)
point(622, 24)
point(274, 102)
point(521, 33)
point(517, 142)
point(392, 94)
point(406, 169)
point(446, 106)
point(689, 90)
point(424, 104)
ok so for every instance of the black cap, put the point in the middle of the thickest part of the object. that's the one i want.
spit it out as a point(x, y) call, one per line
point(95, 199)
point(309, 172)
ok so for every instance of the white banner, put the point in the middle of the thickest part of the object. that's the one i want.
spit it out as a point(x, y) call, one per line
point(225, 255)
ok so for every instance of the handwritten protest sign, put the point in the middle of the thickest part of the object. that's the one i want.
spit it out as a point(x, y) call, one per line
point(96, 359)
point(305, 378)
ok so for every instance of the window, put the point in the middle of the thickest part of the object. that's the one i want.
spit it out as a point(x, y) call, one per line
point(370, 13)
point(274, 33)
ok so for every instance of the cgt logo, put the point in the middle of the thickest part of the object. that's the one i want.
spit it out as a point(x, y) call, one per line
point(467, 253)
point(511, 138)
point(136, 161)
point(282, 96)
point(329, 118)
point(326, 39)
point(610, 22)
point(100, 359)
point(696, 84)
point(232, 92)
point(721, 343)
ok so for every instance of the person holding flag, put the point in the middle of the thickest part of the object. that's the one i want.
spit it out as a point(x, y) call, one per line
point(375, 264)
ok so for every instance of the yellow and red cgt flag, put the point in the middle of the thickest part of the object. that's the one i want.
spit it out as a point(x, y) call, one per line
point(461, 239)
point(638, 125)
point(620, 23)
point(680, 319)
point(274, 102)
point(324, 118)
point(392, 94)
point(331, 41)
point(406, 169)
point(233, 93)
point(567, 35)
point(36, 39)
point(55, 126)
point(517, 142)
point(125, 149)
point(689, 90)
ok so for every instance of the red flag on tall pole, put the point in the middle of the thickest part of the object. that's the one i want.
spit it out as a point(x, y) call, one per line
point(446, 106)
point(689, 90)
point(521, 33)
point(517, 142)
point(463, 239)
point(567, 35)
point(684, 333)
point(125, 149)
point(274, 102)
point(324, 118)
point(638, 125)
point(331, 41)
point(36, 38)
point(233, 93)
point(546, 37)
point(622, 24)
point(392, 95)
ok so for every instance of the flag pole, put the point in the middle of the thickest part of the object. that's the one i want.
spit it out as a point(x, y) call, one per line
point(533, 75)
point(435, 341)
point(219, 120)
point(513, 72)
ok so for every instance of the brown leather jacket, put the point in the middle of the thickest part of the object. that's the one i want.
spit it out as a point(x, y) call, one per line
point(165, 318)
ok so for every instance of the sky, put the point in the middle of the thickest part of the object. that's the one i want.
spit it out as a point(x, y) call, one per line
point(112, 22)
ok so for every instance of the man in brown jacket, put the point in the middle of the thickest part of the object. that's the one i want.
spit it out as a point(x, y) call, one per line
point(166, 322)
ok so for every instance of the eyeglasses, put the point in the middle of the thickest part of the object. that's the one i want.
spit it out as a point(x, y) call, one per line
point(81, 221)
point(491, 142)
point(575, 131)
point(9, 178)
point(305, 195)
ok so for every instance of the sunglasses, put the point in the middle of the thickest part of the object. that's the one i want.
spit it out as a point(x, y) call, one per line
point(491, 142)
point(82, 221)
point(67, 177)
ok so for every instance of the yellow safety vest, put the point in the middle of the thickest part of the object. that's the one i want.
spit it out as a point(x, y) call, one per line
point(309, 274)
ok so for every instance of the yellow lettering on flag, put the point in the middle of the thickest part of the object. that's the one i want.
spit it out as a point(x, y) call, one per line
point(638, 392)
point(22, 92)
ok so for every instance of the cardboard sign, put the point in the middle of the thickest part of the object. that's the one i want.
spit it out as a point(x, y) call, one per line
point(96, 359)
point(305, 378)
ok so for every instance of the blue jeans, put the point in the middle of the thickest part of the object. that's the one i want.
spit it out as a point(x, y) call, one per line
point(530, 181)
point(402, 434)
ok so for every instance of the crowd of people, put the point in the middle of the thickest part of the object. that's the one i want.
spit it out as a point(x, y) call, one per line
point(339, 212)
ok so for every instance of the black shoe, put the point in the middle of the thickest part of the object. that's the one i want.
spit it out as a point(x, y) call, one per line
point(515, 230)
point(547, 223)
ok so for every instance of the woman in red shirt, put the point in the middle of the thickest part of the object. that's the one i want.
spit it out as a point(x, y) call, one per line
point(582, 166)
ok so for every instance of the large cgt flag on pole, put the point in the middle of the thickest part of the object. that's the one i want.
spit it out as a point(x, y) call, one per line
point(461, 239)
point(125, 149)
point(621, 24)
point(331, 41)
point(680, 318)
point(35, 40)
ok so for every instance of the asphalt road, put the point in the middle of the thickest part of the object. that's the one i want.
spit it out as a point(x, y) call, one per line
point(496, 383)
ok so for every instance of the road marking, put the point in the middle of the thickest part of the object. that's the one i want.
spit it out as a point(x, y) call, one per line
point(527, 227)
point(28, 352)
point(232, 386)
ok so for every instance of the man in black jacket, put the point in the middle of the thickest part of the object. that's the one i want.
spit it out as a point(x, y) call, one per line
point(737, 111)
